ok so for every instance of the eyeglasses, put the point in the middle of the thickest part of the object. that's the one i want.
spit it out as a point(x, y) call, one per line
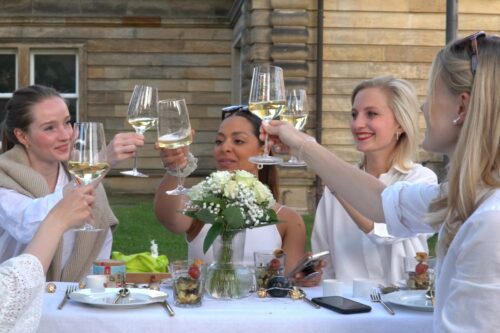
point(230, 110)
point(471, 42)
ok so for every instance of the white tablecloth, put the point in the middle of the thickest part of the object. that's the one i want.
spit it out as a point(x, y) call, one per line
point(251, 314)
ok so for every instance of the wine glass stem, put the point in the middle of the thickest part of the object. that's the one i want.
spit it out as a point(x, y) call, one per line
point(265, 145)
point(180, 183)
point(135, 162)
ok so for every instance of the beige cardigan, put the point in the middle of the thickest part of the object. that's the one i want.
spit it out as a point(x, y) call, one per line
point(16, 174)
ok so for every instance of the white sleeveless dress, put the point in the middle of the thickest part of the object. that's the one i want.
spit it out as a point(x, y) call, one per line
point(265, 238)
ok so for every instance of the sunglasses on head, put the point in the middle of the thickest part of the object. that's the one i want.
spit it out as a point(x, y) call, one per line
point(471, 43)
point(230, 110)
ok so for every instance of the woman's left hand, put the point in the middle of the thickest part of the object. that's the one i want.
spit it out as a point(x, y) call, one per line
point(123, 146)
point(302, 281)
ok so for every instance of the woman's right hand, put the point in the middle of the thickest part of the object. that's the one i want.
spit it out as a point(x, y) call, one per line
point(174, 158)
point(283, 136)
point(75, 208)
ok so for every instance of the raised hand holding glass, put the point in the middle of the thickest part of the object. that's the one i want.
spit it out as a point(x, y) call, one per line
point(296, 114)
point(174, 131)
point(267, 101)
point(88, 159)
point(142, 115)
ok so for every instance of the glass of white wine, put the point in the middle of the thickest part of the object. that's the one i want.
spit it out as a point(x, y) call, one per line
point(142, 115)
point(296, 114)
point(174, 131)
point(88, 159)
point(267, 101)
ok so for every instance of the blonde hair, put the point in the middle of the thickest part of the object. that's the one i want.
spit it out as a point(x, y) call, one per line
point(474, 167)
point(403, 101)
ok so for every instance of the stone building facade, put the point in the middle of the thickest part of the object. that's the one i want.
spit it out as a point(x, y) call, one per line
point(204, 51)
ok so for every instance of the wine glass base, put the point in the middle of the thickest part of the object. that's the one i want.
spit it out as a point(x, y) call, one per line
point(178, 191)
point(87, 228)
point(266, 160)
point(134, 173)
point(293, 164)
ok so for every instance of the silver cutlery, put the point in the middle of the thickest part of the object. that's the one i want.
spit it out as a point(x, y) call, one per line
point(375, 297)
point(169, 308)
point(69, 290)
point(124, 292)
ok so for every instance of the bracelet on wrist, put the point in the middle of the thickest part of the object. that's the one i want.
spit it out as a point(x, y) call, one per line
point(192, 164)
point(301, 148)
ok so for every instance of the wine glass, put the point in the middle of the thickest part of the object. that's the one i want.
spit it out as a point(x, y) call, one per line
point(88, 160)
point(296, 114)
point(174, 131)
point(142, 115)
point(267, 101)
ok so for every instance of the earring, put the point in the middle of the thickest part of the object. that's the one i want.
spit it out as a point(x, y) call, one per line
point(397, 136)
point(455, 121)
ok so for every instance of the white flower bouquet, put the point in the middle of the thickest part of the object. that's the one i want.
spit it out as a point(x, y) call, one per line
point(230, 202)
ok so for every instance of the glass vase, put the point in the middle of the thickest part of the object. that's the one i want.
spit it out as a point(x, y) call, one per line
point(227, 277)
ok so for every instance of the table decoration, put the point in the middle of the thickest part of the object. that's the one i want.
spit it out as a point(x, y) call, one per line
point(187, 282)
point(231, 202)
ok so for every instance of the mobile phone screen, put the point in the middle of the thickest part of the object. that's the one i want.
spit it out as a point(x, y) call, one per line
point(341, 304)
point(306, 264)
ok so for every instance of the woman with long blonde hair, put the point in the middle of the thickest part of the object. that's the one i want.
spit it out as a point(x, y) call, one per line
point(384, 126)
point(462, 113)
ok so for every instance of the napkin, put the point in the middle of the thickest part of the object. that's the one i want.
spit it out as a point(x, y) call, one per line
point(142, 262)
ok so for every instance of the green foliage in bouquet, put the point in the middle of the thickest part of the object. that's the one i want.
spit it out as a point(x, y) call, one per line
point(230, 201)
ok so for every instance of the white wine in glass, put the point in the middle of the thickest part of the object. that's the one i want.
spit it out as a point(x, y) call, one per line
point(88, 160)
point(296, 114)
point(267, 101)
point(142, 115)
point(174, 131)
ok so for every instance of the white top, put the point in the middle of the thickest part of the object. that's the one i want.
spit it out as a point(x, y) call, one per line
point(21, 290)
point(468, 276)
point(265, 238)
point(354, 254)
point(20, 217)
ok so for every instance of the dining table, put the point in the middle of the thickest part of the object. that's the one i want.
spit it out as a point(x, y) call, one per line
point(247, 315)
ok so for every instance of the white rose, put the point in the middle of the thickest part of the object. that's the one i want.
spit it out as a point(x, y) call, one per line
point(245, 178)
point(262, 194)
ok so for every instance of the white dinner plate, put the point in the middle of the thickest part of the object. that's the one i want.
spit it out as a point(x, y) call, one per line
point(413, 299)
point(104, 299)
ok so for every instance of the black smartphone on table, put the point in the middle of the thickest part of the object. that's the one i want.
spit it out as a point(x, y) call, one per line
point(306, 265)
point(341, 304)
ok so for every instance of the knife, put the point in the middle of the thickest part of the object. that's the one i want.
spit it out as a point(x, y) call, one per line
point(169, 308)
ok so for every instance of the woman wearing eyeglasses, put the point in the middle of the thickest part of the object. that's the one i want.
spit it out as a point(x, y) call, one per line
point(462, 113)
point(236, 141)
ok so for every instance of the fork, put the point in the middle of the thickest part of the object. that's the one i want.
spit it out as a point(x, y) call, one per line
point(69, 290)
point(375, 297)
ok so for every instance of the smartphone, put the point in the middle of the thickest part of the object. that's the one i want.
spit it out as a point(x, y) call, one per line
point(306, 265)
point(341, 304)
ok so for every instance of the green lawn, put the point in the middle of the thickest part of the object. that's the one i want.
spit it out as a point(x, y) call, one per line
point(138, 226)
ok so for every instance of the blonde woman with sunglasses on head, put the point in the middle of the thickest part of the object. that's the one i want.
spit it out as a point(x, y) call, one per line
point(462, 114)
point(384, 126)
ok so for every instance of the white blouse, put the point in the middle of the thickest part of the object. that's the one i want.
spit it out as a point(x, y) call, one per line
point(21, 290)
point(468, 276)
point(354, 254)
